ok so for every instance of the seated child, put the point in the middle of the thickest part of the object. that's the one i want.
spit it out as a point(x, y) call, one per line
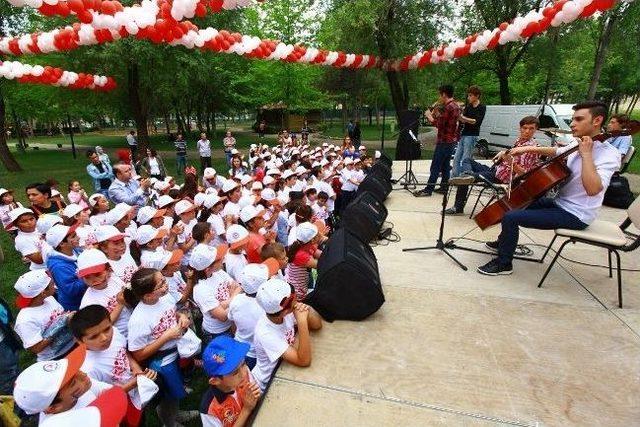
point(232, 394)
point(29, 242)
point(107, 357)
point(113, 244)
point(303, 254)
point(51, 388)
point(244, 311)
point(277, 251)
point(274, 336)
point(235, 260)
point(154, 329)
point(103, 288)
point(38, 312)
point(168, 263)
point(213, 290)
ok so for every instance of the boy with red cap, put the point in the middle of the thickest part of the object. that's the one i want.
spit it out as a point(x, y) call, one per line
point(39, 311)
point(107, 410)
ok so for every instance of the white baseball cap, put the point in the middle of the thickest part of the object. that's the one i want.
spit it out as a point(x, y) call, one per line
point(164, 201)
point(209, 173)
point(249, 212)
point(46, 221)
point(168, 178)
point(268, 180)
point(30, 285)
point(237, 236)
point(256, 186)
point(117, 213)
point(54, 192)
point(229, 185)
point(274, 295)
point(91, 261)
point(37, 386)
point(72, 210)
point(184, 206)
point(234, 151)
point(348, 161)
point(288, 174)
point(4, 191)
point(93, 199)
point(107, 410)
point(301, 170)
point(269, 195)
point(378, 154)
point(17, 213)
point(147, 213)
point(203, 255)
point(161, 259)
point(57, 234)
point(255, 275)
point(108, 232)
point(161, 185)
point(245, 179)
point(274, 171)
point(147, 233)
point(306, 231)
point(316, 164)
point(362, 147)
point(212, 199)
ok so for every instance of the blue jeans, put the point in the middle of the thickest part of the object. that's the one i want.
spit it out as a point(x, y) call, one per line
point(543, 214)
point(440, 165)
point(228, 156)
point(466, 145)
point(181, 164)
point(478, 169)
point(8, 368)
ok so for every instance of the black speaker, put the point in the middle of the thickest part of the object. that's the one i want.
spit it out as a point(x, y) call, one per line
point(348, 285)
point(384, 159)
point(364, 216)
point(382, 170)
point(407, 148)
point(376, 184)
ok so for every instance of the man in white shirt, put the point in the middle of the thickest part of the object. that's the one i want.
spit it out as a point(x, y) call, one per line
point(204, 149)
point(579, 199)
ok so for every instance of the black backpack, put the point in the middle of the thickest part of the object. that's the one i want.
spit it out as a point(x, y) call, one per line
point(619, 193)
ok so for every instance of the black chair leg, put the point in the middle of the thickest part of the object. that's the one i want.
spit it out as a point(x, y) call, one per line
point(475, 205)
point(549, 248)
point(610, 269)
point(619, 278)
point(546, 273)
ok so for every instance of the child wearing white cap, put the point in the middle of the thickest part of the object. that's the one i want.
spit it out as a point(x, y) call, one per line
point(235, 260)
point(215, 204)
point(29, 242)
point(79, 216)
point(149, 241)
point(121, 218)
point(113, 244)
point(187, 212)
point(7, 204)
point(154, 329)
point(104, 287)
point(62, 264)
point(169, 263)
point(99, 208)
point(303, 254)
point(213, 290)
point(244, 310)
point(274, 335)
point(233, 193)
point(38, 312)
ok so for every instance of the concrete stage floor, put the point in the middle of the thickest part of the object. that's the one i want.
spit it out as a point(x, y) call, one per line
point(451, 347)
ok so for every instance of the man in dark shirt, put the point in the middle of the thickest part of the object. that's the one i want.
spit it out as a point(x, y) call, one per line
point(471, 119)
point(445, 118)
point(181, 154)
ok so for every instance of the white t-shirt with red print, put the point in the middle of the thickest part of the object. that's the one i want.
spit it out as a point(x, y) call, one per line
point(108, 298)
point(111, 365)
point(176, 285)
point(234, 264)
point(270, 341)
point(32, 322)
point(208, 294)
point(33, 243)
point(244, 312)
point(148, 322)
point(124, 267)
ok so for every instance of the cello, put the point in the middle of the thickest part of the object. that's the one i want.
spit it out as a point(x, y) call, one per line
point(530, 186)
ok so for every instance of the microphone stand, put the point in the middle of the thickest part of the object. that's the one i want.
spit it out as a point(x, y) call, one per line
point(440, 244)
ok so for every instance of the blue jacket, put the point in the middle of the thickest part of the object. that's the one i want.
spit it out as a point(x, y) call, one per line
point(96, 175)
point(64, 271)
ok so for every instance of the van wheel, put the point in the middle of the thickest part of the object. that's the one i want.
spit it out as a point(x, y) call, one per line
point(482, 148)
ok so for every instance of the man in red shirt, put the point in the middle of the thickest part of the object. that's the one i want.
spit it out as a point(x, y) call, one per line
point(445, 118)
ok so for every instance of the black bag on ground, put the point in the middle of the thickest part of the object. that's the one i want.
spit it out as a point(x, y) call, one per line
point(619, 194)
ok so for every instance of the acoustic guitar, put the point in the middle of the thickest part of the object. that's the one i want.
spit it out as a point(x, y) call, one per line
point(530, 186)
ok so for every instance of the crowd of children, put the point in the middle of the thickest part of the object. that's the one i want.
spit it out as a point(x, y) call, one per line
point(209, 276)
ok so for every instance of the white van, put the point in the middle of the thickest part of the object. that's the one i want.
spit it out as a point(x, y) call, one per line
point(500, 126)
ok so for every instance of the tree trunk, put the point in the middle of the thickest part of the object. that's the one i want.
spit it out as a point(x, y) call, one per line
point(166, 123)
point(137, 108)
point(7, 158)
point(399, 93)
point(601, 54)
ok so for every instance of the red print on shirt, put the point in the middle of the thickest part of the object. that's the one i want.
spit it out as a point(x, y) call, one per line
point(112, 303)
point(290, 336)
point(167, 321)
point(223, 292)
point(121, 367)
point(126, 274)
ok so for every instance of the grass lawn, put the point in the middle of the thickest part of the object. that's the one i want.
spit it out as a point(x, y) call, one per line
point(369, 133)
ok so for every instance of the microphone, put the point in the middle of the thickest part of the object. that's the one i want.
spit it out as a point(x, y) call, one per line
point(413, 136)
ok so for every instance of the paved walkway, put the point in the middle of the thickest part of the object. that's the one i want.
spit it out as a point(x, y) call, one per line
point(451, 347)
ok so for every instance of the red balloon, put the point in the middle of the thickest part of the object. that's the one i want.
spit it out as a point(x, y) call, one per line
point(604, 4)
point(216, 5)
point(201, 10)
point(108, 8)
point(503, 26)
point(85, 17)
point(63, 9)
point(544, 23)
point(14, 47)
point(47, 9)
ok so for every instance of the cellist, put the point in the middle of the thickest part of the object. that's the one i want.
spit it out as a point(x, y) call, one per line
point(578, 201)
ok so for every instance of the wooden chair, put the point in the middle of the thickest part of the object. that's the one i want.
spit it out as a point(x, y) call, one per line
point(605, 234)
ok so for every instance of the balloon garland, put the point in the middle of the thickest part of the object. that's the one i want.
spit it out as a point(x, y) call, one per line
point(521, 28)
point(25, 73)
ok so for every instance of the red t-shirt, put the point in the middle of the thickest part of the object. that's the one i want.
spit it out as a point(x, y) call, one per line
point(255, 244)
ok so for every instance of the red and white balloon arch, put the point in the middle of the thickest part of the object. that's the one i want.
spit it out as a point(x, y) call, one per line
point(163, 21)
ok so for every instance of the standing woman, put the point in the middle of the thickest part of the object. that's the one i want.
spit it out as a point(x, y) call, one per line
point(229, 143)
point(204, 149)
point(152, 165)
